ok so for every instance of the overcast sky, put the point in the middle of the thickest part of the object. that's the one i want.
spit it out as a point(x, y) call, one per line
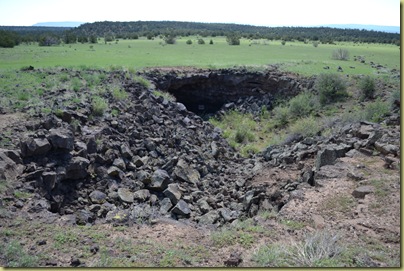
point(253, 12)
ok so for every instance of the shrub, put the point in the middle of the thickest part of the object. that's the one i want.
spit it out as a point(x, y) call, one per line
point(315, 43)
point(211, 42)
point(283, 42)
point(331, 88)
point(170, 39)
point(119, 94)
point(376, 111)
point(201, 41)
point(367, 87)
point(99, 105)
point(281, 115)
point(315, 251)
point(243, 135)
point(233, 39)
point(303, 104)
point(306, 127)
point(340, 54)
point(189, 42)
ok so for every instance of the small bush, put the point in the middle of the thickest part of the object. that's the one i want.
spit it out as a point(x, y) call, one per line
point(281, 115)
point(244, 135)
point(303, 104)
point(201, 41)
point(340, 54)
point(119, 94)
point(331, 88)
point(367, 87)
point(211, 42)
point(306, 127)
point(99, 105)
point(376, 111)
point(170, 39)
point(315, 251)
point(189, 42)
point(315, 43)
point(270, 256)
point(233, 39)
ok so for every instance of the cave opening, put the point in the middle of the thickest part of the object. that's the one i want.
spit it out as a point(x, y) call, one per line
point(206, 92)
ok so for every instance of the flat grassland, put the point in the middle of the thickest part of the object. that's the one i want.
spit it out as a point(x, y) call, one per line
point(300, 57)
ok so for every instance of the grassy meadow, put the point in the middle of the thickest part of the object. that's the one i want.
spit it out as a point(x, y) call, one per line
point(294, 56)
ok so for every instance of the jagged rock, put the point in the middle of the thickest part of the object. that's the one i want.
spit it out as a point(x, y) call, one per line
point(387, 148)
point(118, 216)
point(77, 168)
point(98, 197)
point(9, 170)
point(185, 173)
point(49, 179)
point(125, 195)
point(119, 163)
point(144, 177)
point(83, 217)
point(35, 147)
point(209, 218)
point(181, 208)
point(61, 139)
point(159, 180)
point(329, 154)
point(228, 215)
point(173, 193)
point(362, 191)
point(141, 195)
point(203, 206)
point(165, 205)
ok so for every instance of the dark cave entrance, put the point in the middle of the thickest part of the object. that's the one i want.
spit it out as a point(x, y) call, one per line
point(205, 92)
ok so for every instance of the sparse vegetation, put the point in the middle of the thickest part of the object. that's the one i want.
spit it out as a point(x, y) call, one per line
point(99, 106)
point(340, 54)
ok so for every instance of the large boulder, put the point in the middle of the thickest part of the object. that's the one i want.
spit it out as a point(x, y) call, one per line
point(34, 147)
point(61, 139)
point(159, 180)
point(77, 168)
point(185, 173)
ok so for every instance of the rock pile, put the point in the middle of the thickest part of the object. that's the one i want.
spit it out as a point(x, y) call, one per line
point(154, 159)
point(157, 159)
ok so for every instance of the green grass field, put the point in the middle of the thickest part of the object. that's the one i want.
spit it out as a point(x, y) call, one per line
point(294, 56)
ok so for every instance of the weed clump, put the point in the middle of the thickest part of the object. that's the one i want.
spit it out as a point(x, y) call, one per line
point(99, 106)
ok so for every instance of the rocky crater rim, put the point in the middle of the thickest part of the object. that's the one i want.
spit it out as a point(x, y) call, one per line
point(205, 92)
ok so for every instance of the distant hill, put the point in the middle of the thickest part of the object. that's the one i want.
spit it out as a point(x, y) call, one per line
point(60, 24)
point(155, 28)
point(382, 28)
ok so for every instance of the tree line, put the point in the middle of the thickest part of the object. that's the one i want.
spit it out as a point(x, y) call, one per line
point(90, 32)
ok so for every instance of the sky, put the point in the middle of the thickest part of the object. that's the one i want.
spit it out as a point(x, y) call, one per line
point(252, 12)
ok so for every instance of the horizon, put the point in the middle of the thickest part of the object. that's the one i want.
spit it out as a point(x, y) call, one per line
point(310, 13)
